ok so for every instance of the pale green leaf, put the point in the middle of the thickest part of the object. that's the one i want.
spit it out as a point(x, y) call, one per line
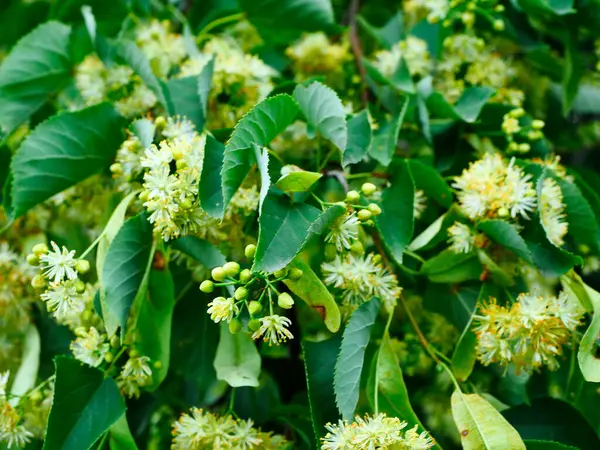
point(301, 181)
point(28, 369)
point(237, 361)
point(427, 235)
point(262, 160)
point(120, 436)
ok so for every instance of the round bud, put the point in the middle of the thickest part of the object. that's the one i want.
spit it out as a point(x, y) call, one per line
point(376, 259)
point(235, 326)
point(207, 286)
point(499, 25)
point(143, 196)
point(36, 396)
point(241, 293)
point(281, 273)
point(330, 252)
point(513, 146)
point(352, 197)
point(368, 189)
point(254, 325)
point(295, 274)
point(357, 248)
point(364, 214)
point(285, 300)
point(584, 249)
point(245, 275)
point(254, 307)
point(115, 342)
point(86, 315)
point(116, 168)
point(231, 268)
point(82, 266)
point(369, 223)
point(186, 204)
point(79, 287)
point(517, 112)
point(250, 251)
point(538, 124)
point(218, 274)
point(503, 212)
point(374, 208)
point(134, 353)
point(109, 357)
point(181, 164)
point(33, 259)
point(38, 282)
point(40, 249)
point(499, 8)
point(160, 122)
point(157, 364)
point(524, 147)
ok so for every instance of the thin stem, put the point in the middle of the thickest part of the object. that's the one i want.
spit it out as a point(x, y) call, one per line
point(92, 245)
point(386, 332)
point(418, 331)
point(217, 23)
point(571, 368)
point(231, 409)
point(415, 256)
point(326, 160)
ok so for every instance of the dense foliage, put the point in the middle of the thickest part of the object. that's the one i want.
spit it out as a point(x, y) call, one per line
point(260, 224)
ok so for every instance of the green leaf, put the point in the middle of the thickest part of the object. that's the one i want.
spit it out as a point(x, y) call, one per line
point(499, 275)
point(237, 361)
point(533, 444)
point(260, 126)
point(262, 160)
point(428, 234)
point(396, 222)
point(38, 66)
point(154, 323)
point(284, 228)
point(481, 426)
point(311, 289)
point(120, 436)
point(359, 138)
point(387, 382)
point(319, 364)
point(326, 219)
point(324, 111)
point(297, 15)
point(383, 144)
point(431, 182)
point(183, 99)
point(63, 151)
point(349, 365)
point(125, 271)
point(554, 420)
point(506, 235)
point(572, 71)
point(144, 129)
point(210, 191)
point(202, 251)
point(388, 35)
point(449, 267)
point(301, 181)
point(28, 369)
point(85, 406)
point(588, 355)
point(204, 84)
point(583, 225)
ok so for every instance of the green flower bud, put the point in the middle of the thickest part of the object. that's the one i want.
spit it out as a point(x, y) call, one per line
point(245, 275)
point(499, 25)
point(364, 215)
point(369, 223)
point(368, 189)
point(524, 147)
point(144, 196)
point(517, 112)
point(235, 326)
point(79, 287)
point(133, 353)
point(181, 164)
point(538, 124)
point(280, 273)
point(109, 357)
point(33, 259)
point(503, 212)
point(254, 325)
point(250, 251)
point(186, 204)
point(157, 364)
point(330, 252)
point(207, 286)
point(160, 122)
point(352, 197)
point(36, 396)
point(115, 342)
point(241, 293)
point(116, 168)
point(231, 268)
point(357, 248)
point(285, 300)
point(82, 266)
point(295, 274)
point(376, 259)
point(254, 307)
point(513, 147)
point(374, 208)
point(218, 274)
point(499, 8)
point(38, 282)
point(40, 249)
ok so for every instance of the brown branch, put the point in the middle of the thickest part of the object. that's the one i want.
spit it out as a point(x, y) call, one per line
point(357, 51)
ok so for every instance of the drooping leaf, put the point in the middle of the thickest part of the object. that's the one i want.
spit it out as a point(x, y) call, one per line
point(383, 144)
point(237, 361)
point(396, 222)
point(210, 191)
point(125, 271)
point(85, 406)
point(319, 365)
point(300, 181)
point(311, 289)
point(265, 121)
point(324, 111)
point(154, 323)
point(63, 151)
point(431, 182)
point(120, 436)
point(359, 138)
point(481, 426)
point(199, 249)
point(506, 235)
point(284, 228)
point(583, 225)
point(37, 67)
point(449, 267)
point(349, 365)
point(28, 369)
point(428, 234)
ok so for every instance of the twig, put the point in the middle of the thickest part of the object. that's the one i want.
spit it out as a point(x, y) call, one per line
point(420, 335)
point(357, 51)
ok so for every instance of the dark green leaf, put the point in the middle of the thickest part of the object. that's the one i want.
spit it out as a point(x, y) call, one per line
point(183, 99)
point(506, 235)
point(210, 190)
point(359, 138)
point(125, 271)
point(284, 228)
point(37, 67)
point(583, 225)
point(573, 70)
point(85, 406)
point(265, 121)
point(383, 144)
point(449, 267)
point(237, 361)
point(431, 182)
point(396, 222)
point(324, 111)
point(388, 35)
point(326, 219)
point(202, 251)
point(63, 151)
point(533, 444)
point(349, 365)
point(500, 276)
